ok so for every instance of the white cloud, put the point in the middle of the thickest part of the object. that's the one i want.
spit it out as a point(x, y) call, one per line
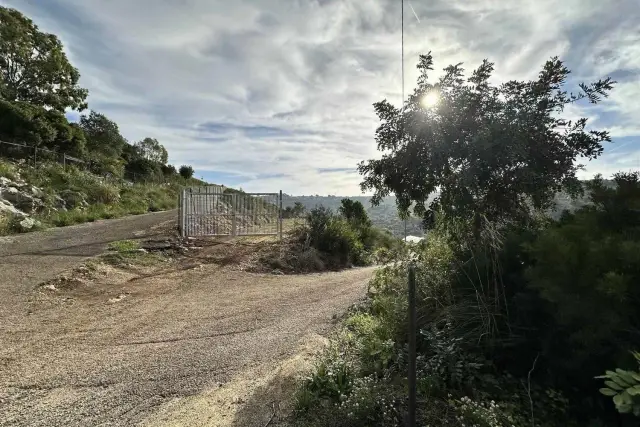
point(307, 72)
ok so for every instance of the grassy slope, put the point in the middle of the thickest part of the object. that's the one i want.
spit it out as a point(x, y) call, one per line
point(105, 198)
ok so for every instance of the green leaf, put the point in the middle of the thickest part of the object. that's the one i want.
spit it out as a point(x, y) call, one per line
point(634, 391)
point(613, 385)
point(621, 381)
point(608, 392)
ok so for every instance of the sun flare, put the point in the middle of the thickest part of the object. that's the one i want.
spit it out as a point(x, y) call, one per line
point(430, 99)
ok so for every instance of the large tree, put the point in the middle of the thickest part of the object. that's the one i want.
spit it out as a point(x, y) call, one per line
point(104, 142)
point(34, 67)
point(469, 150)
point(151, 149)
point(25, 123)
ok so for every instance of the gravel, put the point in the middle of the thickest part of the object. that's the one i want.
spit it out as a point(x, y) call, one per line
point(79, 359)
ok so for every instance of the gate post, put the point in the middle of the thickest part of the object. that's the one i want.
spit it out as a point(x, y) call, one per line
point(182, 212)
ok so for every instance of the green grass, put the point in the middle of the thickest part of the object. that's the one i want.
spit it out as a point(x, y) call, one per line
point(125, 253)
point(8, 170)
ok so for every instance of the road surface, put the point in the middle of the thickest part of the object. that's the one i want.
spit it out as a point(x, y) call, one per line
point(27, 260)
point(81, 360)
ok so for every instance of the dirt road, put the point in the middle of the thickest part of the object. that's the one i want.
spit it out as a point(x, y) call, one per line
point(29, 259)
point(78, 359)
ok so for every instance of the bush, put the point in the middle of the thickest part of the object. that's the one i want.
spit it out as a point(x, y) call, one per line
point(186, 171)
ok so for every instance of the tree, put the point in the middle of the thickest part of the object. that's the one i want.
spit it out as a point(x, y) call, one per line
point(151, 149)
point(485, 152)
point(169, 170)
point(298, 209)
point(140, 169)
point(186, 171)
point(103, 135)
point(354, 212)
point(104, 142)
point(34, 67)
point(36, 126)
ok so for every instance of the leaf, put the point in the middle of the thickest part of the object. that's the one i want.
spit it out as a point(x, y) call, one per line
point(608, 391)
point(613, 385)
point(634, 391)
point(620, 381)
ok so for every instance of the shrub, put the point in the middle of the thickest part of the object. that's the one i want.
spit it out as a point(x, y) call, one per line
point(8, 170)
point(335, 237)
point(186, 171)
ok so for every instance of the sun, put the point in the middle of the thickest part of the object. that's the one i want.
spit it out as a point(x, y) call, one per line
point(430, 99)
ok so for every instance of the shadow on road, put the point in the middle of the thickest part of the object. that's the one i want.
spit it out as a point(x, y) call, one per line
point(270, 404)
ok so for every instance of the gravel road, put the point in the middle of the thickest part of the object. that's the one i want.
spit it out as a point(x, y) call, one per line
point(29, 259)
point(85, 361)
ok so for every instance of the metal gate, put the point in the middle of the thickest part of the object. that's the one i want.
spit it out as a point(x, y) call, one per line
point(215, 211)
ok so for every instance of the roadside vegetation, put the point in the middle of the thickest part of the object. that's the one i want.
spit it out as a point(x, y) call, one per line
point(524, 320)
point(54, 172)
point(326, 240)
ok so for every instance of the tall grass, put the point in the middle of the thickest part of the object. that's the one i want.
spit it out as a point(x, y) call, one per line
point(104, 198)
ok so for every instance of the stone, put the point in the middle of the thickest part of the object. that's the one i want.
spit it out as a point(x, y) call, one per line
point(73, 199)
point(37, 192)
point(59, 203)
point(5, 182)
point(50, 287)
point(10, 193)
point(28, 223)
point(6, 207)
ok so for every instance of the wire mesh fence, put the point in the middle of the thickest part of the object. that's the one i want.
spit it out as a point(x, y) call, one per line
point(35, 156)
point(210, 211)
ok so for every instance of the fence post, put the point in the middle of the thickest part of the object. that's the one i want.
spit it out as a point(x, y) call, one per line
point(280, 215)
point(412, 346)
point(64, 161)
point(233, 214)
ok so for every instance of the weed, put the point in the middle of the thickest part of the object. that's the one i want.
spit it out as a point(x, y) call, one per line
point(124, 253)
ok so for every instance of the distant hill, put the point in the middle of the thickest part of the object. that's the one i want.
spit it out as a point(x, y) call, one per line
point(386, 216)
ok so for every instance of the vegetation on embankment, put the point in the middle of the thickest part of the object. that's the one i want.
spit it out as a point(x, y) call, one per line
point(327, 240)
point(53, 196)
point(523, 319)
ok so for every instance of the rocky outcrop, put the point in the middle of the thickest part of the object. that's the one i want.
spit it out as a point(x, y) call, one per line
point(18, 200)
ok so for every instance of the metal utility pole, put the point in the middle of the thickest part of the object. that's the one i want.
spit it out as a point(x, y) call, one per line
point(412, 347)
point(412, 318)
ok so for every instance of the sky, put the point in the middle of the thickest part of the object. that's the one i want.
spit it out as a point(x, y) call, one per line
point(273, 95)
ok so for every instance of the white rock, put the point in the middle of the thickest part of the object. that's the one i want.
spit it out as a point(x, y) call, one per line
point(28, 223)
point(6, 207)
point(5, 182)
point(37, 192)
point(50, 287)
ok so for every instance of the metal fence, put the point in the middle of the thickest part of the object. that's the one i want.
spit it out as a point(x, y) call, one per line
point(212, 211)
point(38, 155)
point(33, 155)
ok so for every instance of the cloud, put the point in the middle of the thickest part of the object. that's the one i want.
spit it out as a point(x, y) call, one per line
point(276, 95)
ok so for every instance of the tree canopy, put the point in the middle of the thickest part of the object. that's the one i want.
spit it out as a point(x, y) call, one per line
point(34, 67)
point(186, 171)
point(151, 149)
point(483, 151)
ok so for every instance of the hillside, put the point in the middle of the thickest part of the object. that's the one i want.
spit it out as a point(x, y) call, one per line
point(54, 195)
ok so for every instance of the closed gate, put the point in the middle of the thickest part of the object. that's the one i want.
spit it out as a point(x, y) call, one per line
point(215, 211)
